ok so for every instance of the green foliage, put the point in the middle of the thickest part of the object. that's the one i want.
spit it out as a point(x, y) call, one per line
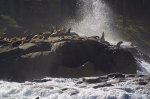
point(6, 22)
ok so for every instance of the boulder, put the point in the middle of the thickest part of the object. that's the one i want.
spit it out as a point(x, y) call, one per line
point(64, 58)
point(30, 66)
point(77, 52)
point(115, 60)
point(38, 64)
point(32, 47)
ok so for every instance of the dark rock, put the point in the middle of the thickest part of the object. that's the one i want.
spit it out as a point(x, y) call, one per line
point(142, 83)
point(80, 82)
point(34, 63)
point(74, 57)
point(74, 92)
point(116, 75)
point(130, 90)
point(130, 75)
point(10, 52)
point(30, 66)
point(37, 98)
point(87, 69)
point(73, 52)
point(64, 89)
point(140, 75)
point(92, 80)
point(41, 80)
point(70, 91)
point(103, 85)
point(115, 60)
point(16, 43)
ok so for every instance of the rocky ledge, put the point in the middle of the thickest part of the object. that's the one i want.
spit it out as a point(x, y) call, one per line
point(61, 53)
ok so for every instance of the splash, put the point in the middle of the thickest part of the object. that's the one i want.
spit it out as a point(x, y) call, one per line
point(95, 17)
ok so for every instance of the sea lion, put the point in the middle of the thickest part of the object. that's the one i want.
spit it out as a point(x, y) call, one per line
point(14, 39)
point(118, 44)
point(3, 42)
point(35, 40)
point(68, 32)
point(102, 39)
point(46, 34)
point(23, 38)
point(24, 41)
point(35, 36)
point(16, 43)
point(6, 39)
point(61, 32)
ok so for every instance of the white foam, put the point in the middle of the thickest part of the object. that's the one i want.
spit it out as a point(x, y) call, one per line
point(53, 90)
point(96, 18)
point(144, 67)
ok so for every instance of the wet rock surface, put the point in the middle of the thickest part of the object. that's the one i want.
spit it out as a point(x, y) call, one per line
point(62, 54)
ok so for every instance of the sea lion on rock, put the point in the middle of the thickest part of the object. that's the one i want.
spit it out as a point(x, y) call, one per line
point(61, 32)
point(3, 42)
point(35, 36)
point(16, 43)
point(34, 40)
point(6, 39)
point(24, 38)
point(45, 35)
point(24, 41)
point(14, 39)
point(118, 44)
point(68, 32)
point(102, 39)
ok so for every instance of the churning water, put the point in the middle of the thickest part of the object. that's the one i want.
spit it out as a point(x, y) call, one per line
point(95, 17)
point(61, 88)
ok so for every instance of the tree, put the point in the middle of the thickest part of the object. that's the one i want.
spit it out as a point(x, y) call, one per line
point(124, 14)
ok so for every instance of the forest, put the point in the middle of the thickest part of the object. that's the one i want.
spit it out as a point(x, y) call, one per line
point(37, 15)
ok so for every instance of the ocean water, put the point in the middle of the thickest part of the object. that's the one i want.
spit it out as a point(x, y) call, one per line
point(61, 88)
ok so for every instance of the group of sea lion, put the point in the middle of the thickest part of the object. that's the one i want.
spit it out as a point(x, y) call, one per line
point(102, 40)
point(54, 32)
point(17, 41)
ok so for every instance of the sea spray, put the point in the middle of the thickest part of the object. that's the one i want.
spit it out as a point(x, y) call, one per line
point(95, 17)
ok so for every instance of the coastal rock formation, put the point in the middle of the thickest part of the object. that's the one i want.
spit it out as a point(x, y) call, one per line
point(65, 55)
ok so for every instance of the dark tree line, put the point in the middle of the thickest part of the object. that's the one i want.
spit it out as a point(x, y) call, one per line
point(132, 8)
point(41, 13)
point(36, 13)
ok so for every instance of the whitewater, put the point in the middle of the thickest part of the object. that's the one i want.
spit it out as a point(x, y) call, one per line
point(96, 17)
point(61, 88)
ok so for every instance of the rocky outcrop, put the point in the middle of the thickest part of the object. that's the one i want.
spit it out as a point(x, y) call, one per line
point(64, 56)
